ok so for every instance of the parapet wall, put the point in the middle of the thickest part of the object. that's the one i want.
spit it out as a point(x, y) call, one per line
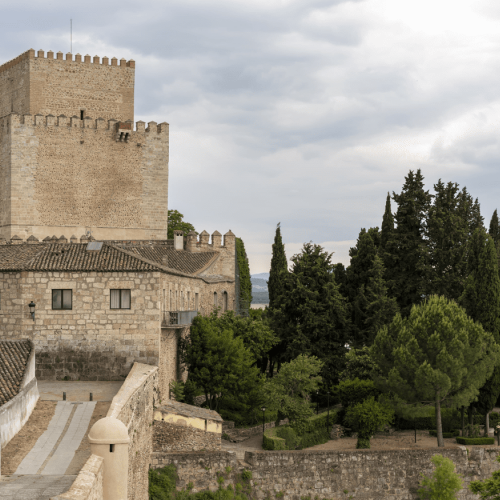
point(133, 405)
point(57, 84)
point(63, 175)
point(362, 474)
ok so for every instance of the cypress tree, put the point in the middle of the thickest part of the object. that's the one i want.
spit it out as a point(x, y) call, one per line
point(387, 224)
point(495, 228)
point(481, 300)
point(407, 261)
point(379, 308)
point(279, 269)
point(243, 273)
point(448, 232)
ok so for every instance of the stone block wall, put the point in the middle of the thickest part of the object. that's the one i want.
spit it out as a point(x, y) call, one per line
point(133, 405)
point(65, 176)
point(169, 437)
point(362, 474)
point(39, 83)
point(91, 341)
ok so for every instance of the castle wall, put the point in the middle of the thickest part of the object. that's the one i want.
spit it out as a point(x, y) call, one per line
point(65, 85)
point(363, 474)
point(168, 437)
point(67, 176)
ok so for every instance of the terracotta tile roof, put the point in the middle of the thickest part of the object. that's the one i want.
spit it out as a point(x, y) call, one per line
point(68, 257)
point(14, 356)
point(180, 260)
point(185, 410)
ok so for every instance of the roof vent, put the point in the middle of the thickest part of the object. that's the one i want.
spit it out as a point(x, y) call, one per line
point(94, 246)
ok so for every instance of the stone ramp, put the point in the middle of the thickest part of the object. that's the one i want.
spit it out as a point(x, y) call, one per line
point(34, 487)
point(52, 390)
point(56, 447)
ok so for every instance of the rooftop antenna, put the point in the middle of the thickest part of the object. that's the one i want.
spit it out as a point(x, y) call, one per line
point(71, 36)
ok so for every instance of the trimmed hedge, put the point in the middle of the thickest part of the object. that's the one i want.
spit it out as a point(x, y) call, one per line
point(464, 440)
point(452, 434)
point(298, 436)
point(450, 420)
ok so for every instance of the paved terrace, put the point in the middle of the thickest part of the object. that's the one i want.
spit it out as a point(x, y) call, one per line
point(42, 473)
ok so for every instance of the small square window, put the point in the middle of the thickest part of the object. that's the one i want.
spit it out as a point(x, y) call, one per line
point(62, 299)
point(120, 299)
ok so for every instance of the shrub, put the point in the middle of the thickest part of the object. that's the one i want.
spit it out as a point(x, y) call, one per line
point(363, 444)
point(368, 417)
point(271, 441)
point(444, 483)
point(488, 488)
point(477, 440)
point(246, 475)
point(162, 483)
point(290, 437)
point(351, 392)
point(452, 434)
point(494, 418)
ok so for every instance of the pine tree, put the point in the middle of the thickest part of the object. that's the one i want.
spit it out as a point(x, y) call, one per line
point(279, 269)
point(495, 228)
point(448, 232)
point(408, 263)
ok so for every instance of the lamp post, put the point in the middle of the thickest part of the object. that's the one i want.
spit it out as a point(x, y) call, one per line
point(328, 415)
point(263, 410)
point(317, 402)
point(32, 306)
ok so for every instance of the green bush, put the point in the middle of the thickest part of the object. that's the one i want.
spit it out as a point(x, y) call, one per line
point(452, 434)
point(363, 444)
point(444, 484)
point(450, 420)
point(351, 392)
point(162, 483)
point(271, 441)
point(483, 440)
point(494, 418)
point(290, 437)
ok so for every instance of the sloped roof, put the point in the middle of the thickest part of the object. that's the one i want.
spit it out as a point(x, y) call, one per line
point(14, 355)
point(171, 406)
point(186, 262)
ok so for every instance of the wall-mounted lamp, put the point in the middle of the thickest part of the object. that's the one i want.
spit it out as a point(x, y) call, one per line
point(32, 306)
point(263, 410)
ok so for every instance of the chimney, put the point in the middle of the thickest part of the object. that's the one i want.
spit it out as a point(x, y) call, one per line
point(179, 240)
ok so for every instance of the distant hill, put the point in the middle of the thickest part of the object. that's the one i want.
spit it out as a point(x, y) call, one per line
point(260, 294)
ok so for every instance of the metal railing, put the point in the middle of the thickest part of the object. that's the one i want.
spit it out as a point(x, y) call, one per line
point(178, 318)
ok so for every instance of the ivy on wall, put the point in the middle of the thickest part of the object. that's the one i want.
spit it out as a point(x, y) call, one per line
point(243, 272)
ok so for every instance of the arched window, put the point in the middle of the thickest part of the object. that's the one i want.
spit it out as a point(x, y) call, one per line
point(224, 301)
point(215, 299)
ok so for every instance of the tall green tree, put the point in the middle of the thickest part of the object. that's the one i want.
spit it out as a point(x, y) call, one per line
point(218, 362)
point(244, 284)
point(379, 309)
point(278, 272)
point(313, 314)
point(481, 300)
point(387, 224)
point(495, 228)
point(448, 233)
point(407, 260)
point(434, 355)
point(176, 223)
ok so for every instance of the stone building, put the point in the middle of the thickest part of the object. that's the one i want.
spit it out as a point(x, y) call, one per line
point(111, 289)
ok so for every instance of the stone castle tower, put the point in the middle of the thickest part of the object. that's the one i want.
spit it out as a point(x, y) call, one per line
point(71, 160)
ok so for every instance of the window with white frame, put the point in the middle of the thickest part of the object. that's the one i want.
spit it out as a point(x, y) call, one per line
point(120, 299)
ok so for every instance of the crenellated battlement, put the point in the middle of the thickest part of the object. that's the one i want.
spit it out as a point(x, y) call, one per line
point(87, 123)
point(68, 58)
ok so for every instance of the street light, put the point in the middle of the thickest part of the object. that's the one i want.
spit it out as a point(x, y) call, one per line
point(32, 305)
point(328, 415)
point(263, 410)
point(317, 402)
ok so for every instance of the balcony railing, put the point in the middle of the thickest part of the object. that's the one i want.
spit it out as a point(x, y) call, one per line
point(178, 318)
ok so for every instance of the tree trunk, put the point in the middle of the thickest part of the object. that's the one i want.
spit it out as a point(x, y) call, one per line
point(462, 413)
point(438, 422)
point(486, 424)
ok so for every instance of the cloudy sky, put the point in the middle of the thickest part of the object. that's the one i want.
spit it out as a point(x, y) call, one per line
point(304, 112)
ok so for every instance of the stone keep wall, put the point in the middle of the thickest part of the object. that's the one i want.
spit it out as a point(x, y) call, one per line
point(133, 405)
point(91, 341)
point(54, 84)
point(363, 474)
point(169, 437)
point(67, 176)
